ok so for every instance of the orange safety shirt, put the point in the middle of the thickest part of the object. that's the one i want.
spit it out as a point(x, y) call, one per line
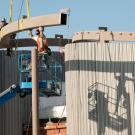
point(45, 44)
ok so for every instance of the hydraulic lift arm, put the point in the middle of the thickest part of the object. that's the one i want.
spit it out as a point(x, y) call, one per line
point(9, 93)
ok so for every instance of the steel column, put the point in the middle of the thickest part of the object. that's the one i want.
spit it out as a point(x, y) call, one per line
point(35, 94)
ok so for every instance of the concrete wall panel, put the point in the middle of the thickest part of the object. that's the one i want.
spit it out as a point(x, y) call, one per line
point(100, 84)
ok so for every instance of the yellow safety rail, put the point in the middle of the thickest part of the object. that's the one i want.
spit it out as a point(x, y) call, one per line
point(28, 8)
point(11, 10)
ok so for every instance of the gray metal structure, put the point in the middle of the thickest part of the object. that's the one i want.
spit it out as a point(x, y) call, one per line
point(15, 112)
point(100, 85)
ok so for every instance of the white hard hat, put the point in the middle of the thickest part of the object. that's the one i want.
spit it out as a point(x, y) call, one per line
point(3, 20)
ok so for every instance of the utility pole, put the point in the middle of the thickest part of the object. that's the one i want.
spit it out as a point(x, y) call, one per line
point(35, 94)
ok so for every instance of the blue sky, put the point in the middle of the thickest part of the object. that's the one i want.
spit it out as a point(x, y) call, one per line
point(86, 15)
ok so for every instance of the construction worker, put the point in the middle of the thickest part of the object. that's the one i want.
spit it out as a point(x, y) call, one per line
point(29, 75)
point(42, 48)
point(52, 86)
point(3, 23)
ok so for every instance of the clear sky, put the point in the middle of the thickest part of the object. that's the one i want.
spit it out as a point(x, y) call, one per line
point(86, 15)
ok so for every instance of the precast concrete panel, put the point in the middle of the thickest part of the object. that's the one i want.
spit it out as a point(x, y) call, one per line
point(100, 85)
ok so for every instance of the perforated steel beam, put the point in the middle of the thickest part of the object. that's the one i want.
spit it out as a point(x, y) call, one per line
point(102, 36)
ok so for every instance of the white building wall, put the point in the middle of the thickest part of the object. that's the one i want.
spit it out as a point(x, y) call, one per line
point(53, 106)
point(100, 84)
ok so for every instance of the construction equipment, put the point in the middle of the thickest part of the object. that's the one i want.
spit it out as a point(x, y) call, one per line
point(48, 87)
point(9, 93)
point(48, 84)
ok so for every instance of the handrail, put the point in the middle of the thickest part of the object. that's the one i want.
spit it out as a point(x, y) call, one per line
point(97, 83)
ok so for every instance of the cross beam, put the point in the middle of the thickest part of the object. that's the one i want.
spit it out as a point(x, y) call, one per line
point(28, 42)
point(102, 36)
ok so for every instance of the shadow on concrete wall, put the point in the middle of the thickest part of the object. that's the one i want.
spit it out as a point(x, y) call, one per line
point(100, 66)
point(99, 112)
